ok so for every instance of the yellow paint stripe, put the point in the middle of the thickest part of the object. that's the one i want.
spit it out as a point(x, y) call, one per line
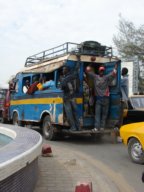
point(41, 101)
point(37, 101)
point(79, 100)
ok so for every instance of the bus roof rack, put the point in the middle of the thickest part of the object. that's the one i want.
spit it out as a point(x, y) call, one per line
point(84, 48)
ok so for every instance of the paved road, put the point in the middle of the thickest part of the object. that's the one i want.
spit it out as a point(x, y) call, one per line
point(114, 156)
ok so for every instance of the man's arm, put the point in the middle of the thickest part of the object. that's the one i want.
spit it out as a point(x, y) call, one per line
point(89, 72)
point(112, 75)
point(49, 84)
point(115, 69)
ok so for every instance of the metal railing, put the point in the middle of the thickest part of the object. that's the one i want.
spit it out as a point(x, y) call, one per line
point(64, 49)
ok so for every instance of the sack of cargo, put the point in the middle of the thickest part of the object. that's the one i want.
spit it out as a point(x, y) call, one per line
point(93, 48)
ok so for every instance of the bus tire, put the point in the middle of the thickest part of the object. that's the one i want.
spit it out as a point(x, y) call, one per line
point(48, 129)
point(15, 120)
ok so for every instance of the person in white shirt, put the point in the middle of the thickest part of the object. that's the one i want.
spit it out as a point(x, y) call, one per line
point(26, 86)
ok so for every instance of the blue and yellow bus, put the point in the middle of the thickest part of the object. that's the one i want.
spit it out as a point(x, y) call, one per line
point(44, 108)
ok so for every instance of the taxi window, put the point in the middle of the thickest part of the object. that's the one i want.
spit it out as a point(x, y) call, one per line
point(137, 102)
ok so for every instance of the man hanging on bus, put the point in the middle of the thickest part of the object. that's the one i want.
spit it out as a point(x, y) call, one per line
point(101, 88)
point(69, 84)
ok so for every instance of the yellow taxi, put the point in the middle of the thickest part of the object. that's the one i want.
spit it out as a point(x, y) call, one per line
point(133, 136)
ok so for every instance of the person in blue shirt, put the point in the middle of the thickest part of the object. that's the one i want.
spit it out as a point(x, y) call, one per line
point(46, 83)
point(124, 84)
point(124, 93)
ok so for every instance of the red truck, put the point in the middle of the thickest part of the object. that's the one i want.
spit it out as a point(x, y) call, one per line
point(4, 104)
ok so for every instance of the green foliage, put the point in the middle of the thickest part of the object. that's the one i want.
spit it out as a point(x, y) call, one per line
point(130, 39)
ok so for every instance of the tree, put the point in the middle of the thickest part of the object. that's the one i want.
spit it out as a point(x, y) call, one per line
point(130, 39)
point(130, 43)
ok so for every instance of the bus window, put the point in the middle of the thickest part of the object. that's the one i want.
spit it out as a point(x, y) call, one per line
point(58, 78)
point(35, 78)
point(16, 86)
point(48, 76)
point(25, 84)
point(46, 81)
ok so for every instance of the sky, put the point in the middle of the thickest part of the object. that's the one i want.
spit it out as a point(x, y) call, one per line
point(28, 27)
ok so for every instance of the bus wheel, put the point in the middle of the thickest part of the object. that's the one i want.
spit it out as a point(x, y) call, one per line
point(48, 129)
point(15, 120)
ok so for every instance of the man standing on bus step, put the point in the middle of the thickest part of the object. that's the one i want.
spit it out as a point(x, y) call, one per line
point(69, 85)
point(101, 89)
